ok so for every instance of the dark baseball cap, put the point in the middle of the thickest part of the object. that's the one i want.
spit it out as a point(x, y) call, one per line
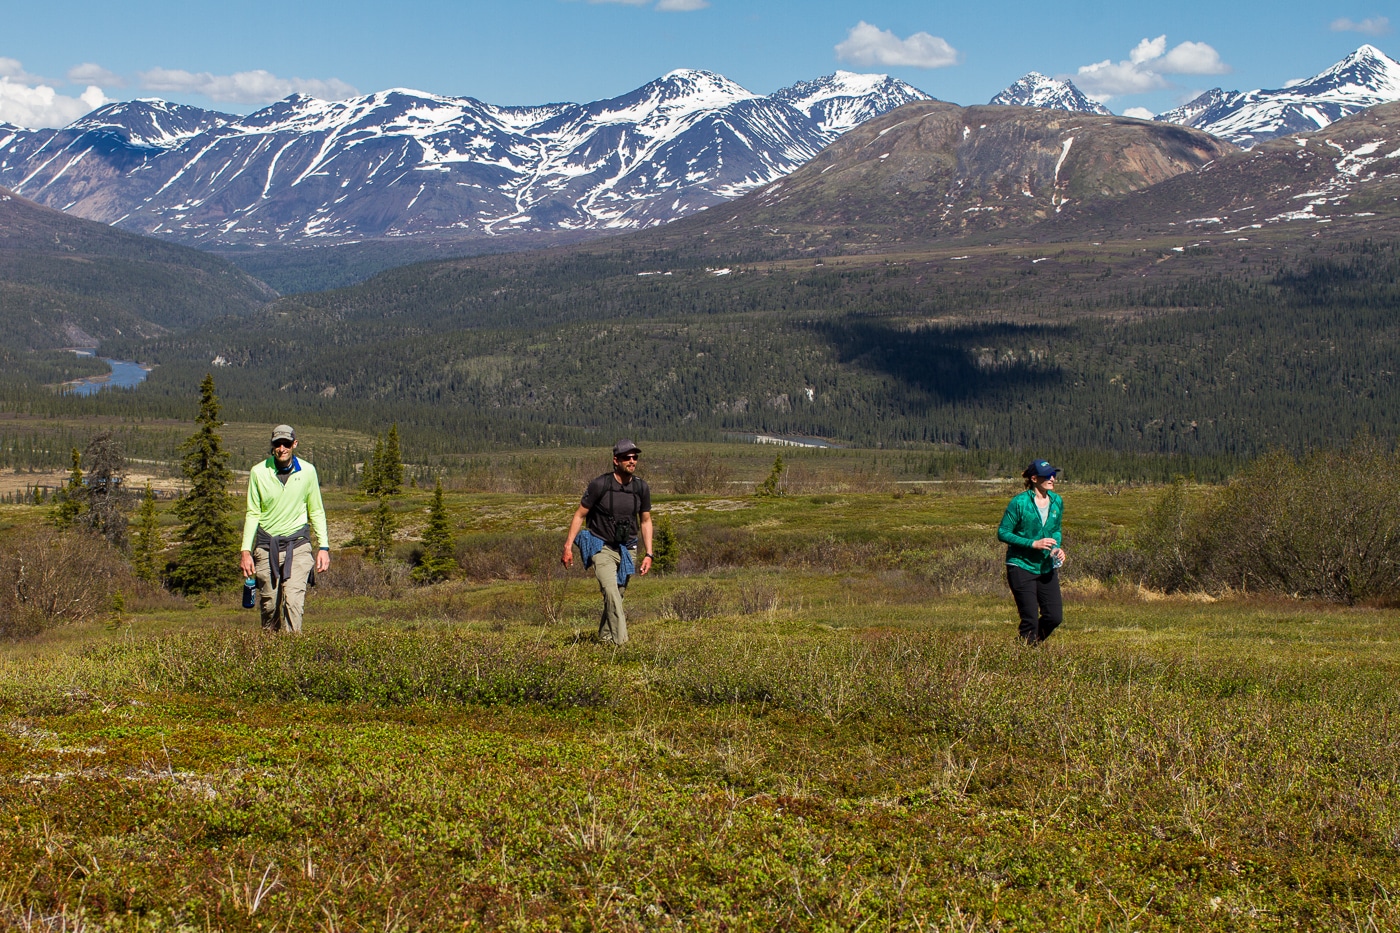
point(625, 446)
point(284, 432)
point(1041, 468)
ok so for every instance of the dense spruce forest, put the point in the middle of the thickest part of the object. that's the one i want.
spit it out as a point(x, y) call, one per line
point(1227, 355)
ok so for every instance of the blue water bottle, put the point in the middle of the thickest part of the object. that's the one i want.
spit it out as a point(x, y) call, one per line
point(250, 592)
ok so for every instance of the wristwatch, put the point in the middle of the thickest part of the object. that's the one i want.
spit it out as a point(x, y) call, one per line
point(649, 554)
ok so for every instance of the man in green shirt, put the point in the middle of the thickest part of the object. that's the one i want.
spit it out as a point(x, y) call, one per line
point(284, 507)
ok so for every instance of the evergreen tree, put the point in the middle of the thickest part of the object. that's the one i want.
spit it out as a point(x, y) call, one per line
point(378, 534)
point(145, 552)
point(439, 557)
point(773, 485)
point(665, 549)
point(391, 466)
point(106, 499)
point(207, 559)
point(69, 501)
point(372, 479)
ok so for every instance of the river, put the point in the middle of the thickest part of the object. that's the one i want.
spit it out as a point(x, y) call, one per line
point(125, 374)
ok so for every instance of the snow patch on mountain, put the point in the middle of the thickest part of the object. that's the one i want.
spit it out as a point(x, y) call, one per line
point(151, 123)
point(841, 101)
point(403, 162)
point(1364, 78)
point(1037, 90)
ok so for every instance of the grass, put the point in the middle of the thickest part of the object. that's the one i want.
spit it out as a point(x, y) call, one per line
point(843, 741)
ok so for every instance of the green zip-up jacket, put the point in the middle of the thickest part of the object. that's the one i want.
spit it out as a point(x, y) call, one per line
point(281, 510)
point(1021, 526)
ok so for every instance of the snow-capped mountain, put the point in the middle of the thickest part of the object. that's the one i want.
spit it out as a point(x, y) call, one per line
point(1363, 79)
point(151, 123)
point(1037, 90)
point(844, 100)
point(403, 162)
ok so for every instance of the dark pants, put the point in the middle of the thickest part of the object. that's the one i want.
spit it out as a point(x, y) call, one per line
point(1037, 602)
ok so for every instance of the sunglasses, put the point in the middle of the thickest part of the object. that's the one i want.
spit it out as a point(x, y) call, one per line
point(281, 443)
point(628, 457)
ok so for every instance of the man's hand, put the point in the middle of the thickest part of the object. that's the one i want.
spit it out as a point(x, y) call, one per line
point(567, 558)
point(323, 561)
point(646, 566)
point(245, 564)
point(1045, 544)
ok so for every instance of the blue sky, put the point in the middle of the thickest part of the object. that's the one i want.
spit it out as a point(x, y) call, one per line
point(60, 59)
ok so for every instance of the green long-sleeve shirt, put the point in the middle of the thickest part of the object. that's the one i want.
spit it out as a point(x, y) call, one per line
point(281, 510)
point(1021, 527)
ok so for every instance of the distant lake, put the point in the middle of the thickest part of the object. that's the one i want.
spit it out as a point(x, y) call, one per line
point(126, 374)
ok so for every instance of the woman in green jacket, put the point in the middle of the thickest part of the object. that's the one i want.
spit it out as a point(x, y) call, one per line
point(1031, 531)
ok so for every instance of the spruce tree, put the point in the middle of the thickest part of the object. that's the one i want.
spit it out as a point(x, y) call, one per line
point(665, 549)
point(208, 558)
point(147, 545)
point(378, 536)
point(372, 479)
point(439, 557)
point(773, 485)
point(69, 501)
point(391, 466)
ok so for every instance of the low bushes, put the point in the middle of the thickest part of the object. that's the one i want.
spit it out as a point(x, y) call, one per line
point(52, 578)
point(379, 668)
point(1326, 526)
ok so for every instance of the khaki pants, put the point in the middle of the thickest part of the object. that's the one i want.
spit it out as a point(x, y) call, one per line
point(287, 617)
point(612, 627)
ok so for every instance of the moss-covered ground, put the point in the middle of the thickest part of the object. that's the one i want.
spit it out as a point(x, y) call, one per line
point(823, 721)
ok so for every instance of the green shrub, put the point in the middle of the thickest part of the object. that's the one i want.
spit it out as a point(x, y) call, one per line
point(1324, 527)
point(377, 668)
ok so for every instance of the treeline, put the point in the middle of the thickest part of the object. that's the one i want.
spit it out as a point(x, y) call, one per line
point(573, 350)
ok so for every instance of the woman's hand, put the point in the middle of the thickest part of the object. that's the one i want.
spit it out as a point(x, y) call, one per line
point(1045, 544)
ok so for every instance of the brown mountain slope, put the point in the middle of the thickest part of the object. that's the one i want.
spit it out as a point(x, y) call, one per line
point(933, 171)
point(1341, 180)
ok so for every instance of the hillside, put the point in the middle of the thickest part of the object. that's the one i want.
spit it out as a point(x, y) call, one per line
point(65, 281)
point(1343, 180)
point(931, 172)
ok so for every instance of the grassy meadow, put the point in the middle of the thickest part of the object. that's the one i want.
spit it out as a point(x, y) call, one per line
point(823, 721)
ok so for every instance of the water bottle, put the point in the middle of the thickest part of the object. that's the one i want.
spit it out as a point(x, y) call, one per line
point(250, 592)
point(1057, 560)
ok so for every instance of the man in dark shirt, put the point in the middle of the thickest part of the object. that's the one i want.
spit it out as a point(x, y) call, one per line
point(617, 509)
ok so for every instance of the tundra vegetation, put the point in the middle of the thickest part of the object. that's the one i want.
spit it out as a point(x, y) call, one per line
point(823, 720)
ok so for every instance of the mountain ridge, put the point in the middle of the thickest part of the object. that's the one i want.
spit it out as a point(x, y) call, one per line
point(1365, 78)
point(1037, 90)
point(401, 163)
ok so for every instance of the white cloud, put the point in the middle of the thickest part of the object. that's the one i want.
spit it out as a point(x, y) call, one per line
point(869, 45)
point(1148, 49)
point(245, 87)
point(681, 6)
point(88, 73)
point(39, 105)
point(1146, 68)
point(1192, 58)
point(1106, 79)
point(1371, 25)
point(13, 69)
point(1139, 113)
